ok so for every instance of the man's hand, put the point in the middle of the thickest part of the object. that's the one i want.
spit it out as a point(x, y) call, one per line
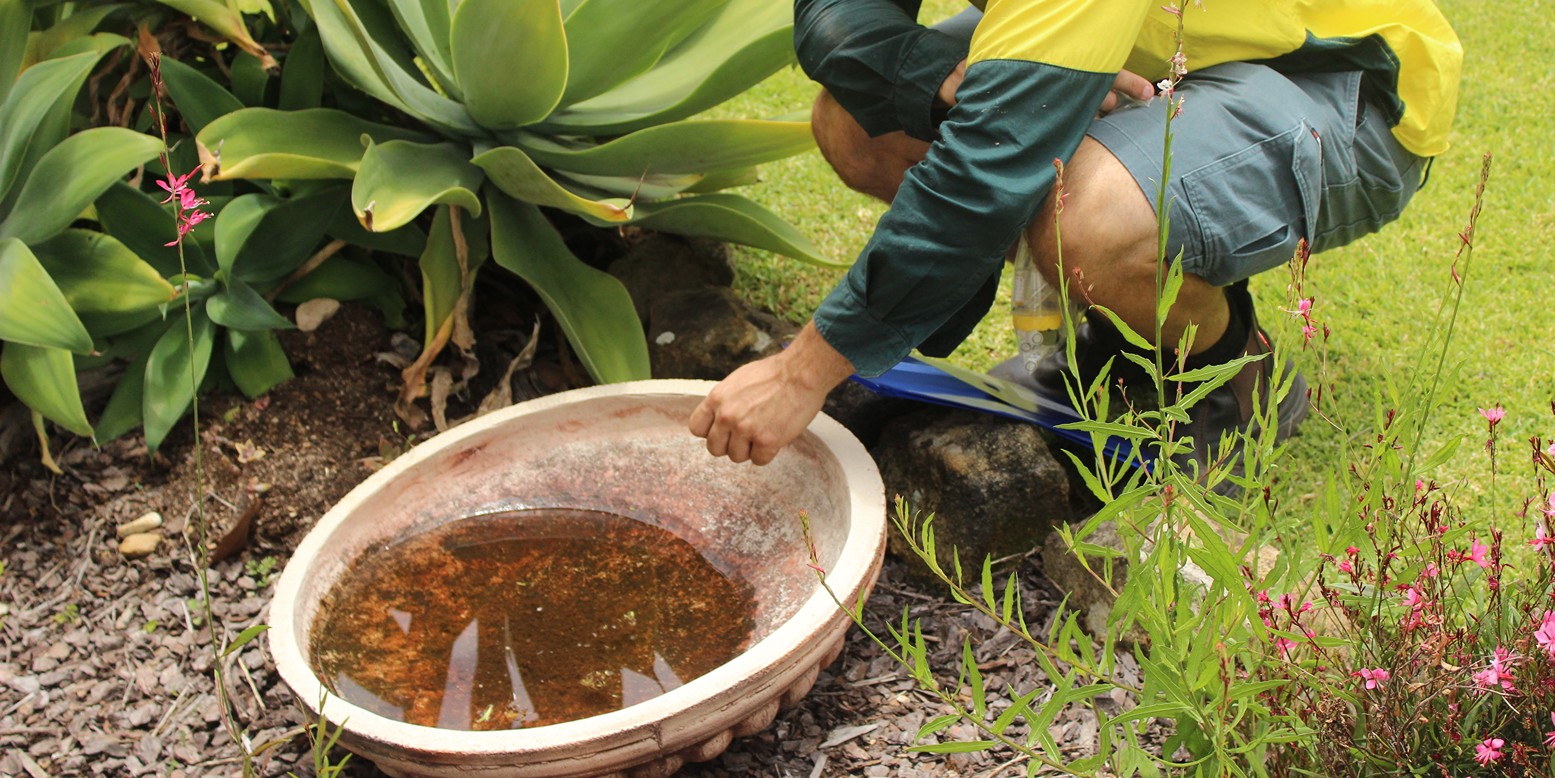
point(1127, 84)
point(765, 405)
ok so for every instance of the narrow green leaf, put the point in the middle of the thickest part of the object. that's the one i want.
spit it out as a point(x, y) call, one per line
point(1111, 429)
point(609, 42)
point(44, 379)
point(125, 404)
point(32, 308)
point(592, 307)
point(748, 41)
point(15, 21)
point(958, 747)
point(78, 25)
point(199, 98)
point(1213, 372)
point(987, 585)
point(679, 147)
point(525, 36)
point(171, 379)
point(70, 176)
point(261, 238)
point(310, 144)
point(98, 274)
point(226, 22)
point(937, 724)
point(1128, 333)
point(29, 123)
point(399, 179)
point(974, 681)
point(237, 306)
point(733, 218)
point(302, 74)
point(244, 638)
point(512, 171)
point(1169, 291)
point(256, 361)
point(340, 278)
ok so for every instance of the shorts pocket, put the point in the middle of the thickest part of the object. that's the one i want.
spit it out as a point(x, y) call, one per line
point(1253, 208)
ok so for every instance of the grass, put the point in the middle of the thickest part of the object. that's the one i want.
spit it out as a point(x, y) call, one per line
point(1379, 295)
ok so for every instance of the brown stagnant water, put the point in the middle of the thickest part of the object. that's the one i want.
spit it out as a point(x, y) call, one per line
point(526, 618)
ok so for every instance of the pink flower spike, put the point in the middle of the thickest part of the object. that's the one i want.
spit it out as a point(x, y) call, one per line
point(1374, 676)
point(1173, 10)
point(1545, 634)
point(1549, 737)
point(1284, 646)
point(1489, 751)
point(1493, 415)
point(1549, 506)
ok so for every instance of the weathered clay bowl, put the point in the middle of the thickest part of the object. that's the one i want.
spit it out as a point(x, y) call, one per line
point(624, 449)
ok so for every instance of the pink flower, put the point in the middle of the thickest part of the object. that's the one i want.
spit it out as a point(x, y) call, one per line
point(1344, 564)
point(1308, 331)
point(1549, 506)
point(1541, 537)
point(1545, 634)
point(1498, 674)
point(1414, 599)
point(1284, 646)
point(1375, 676)
point(1477, 555)
point(1549, 737)
point(1494, 415)
point(1430, 570)
point(1489, 751)
point(1173, 10)
point(1419, 484)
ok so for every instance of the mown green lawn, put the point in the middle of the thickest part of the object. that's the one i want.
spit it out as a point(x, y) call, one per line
point(1379, 297)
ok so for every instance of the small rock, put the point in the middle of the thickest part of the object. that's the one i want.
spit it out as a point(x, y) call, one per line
point(315, 312)
point(139, 545)
point(149, 521)
point(665, 263)
point(714, 333)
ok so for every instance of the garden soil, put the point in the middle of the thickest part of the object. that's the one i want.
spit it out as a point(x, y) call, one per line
point(106, 661)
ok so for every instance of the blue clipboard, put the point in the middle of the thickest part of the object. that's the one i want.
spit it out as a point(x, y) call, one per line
point(936, 381)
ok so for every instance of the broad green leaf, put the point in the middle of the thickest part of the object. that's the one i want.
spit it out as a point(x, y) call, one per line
point(493, 40)
point(98, 274)
point(70, 176)
point(426, 24)
point(593, 308)
point(611, 41)
point(15, 21)
point(372, 64)
point(512, 171)
point(29, 123)
point(32, 308)
point(340, 278)
point(310, 144)
point(124, 406)
point(631, 188)
point(302, 75)
point(199, 98)
point(398, 180)
point(748, 41)
point(174, 372)
point(407, 241)
point(441, 280)
point(237, 306)
point(733, 218)
point(79, 24)
point(226, 22)
point(679, 147)
point(262, 238)
point(44, 379)
point(250, 80)
point(145, 227)
point(256, 361)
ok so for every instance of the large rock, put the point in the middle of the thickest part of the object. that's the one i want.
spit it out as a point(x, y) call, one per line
point(864, 413)
point(992, 484)
point(708, 332)
point(664, 263)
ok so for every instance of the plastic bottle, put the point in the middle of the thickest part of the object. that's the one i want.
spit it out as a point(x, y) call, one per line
point(1036, 310)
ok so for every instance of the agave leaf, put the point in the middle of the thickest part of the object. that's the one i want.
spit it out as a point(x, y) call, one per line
point(442, 281)
point(310, 144)
point(340, 278)
point(98, 274)
point(174, 372)
point(512, 171)
point(250, 80)
point(238, 307)
point(15, 21)
point(44, 379)
point(302, 75)
point(407, 241)
point(678, 147)
point(426, 23)
point(656, 187)
point(723, 179)
point(607, 42)
point(71, 175)
point(399, 179)
point(122, 413)
point(200, 99)
point(144, 226)
point(591, 306)
point(226, 22)
point(496, 40)
point(260, 238)
point(746, 42)
point(29, 121)
point(256, 361)
point(732, 218)
point(79, 24)
point(369, 64)
point(32, 309)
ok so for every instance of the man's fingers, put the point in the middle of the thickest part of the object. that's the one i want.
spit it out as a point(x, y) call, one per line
point(1109, 102)
point(701, 421)
point(1133, 85)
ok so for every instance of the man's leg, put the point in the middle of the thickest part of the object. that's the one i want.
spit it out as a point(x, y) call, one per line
point(874, 166)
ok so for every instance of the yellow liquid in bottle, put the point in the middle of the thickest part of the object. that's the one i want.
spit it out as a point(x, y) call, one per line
point(1038, 322)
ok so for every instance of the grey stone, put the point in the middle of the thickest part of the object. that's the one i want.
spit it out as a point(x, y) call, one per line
point(863, 412)
point(663, 263)
point(993, 485)
point(708, 332)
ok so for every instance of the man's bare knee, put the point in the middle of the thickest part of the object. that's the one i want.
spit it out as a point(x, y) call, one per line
point(872, 165)
point(1106, 225)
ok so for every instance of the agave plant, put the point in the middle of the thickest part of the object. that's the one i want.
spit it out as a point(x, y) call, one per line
point(582, 106)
